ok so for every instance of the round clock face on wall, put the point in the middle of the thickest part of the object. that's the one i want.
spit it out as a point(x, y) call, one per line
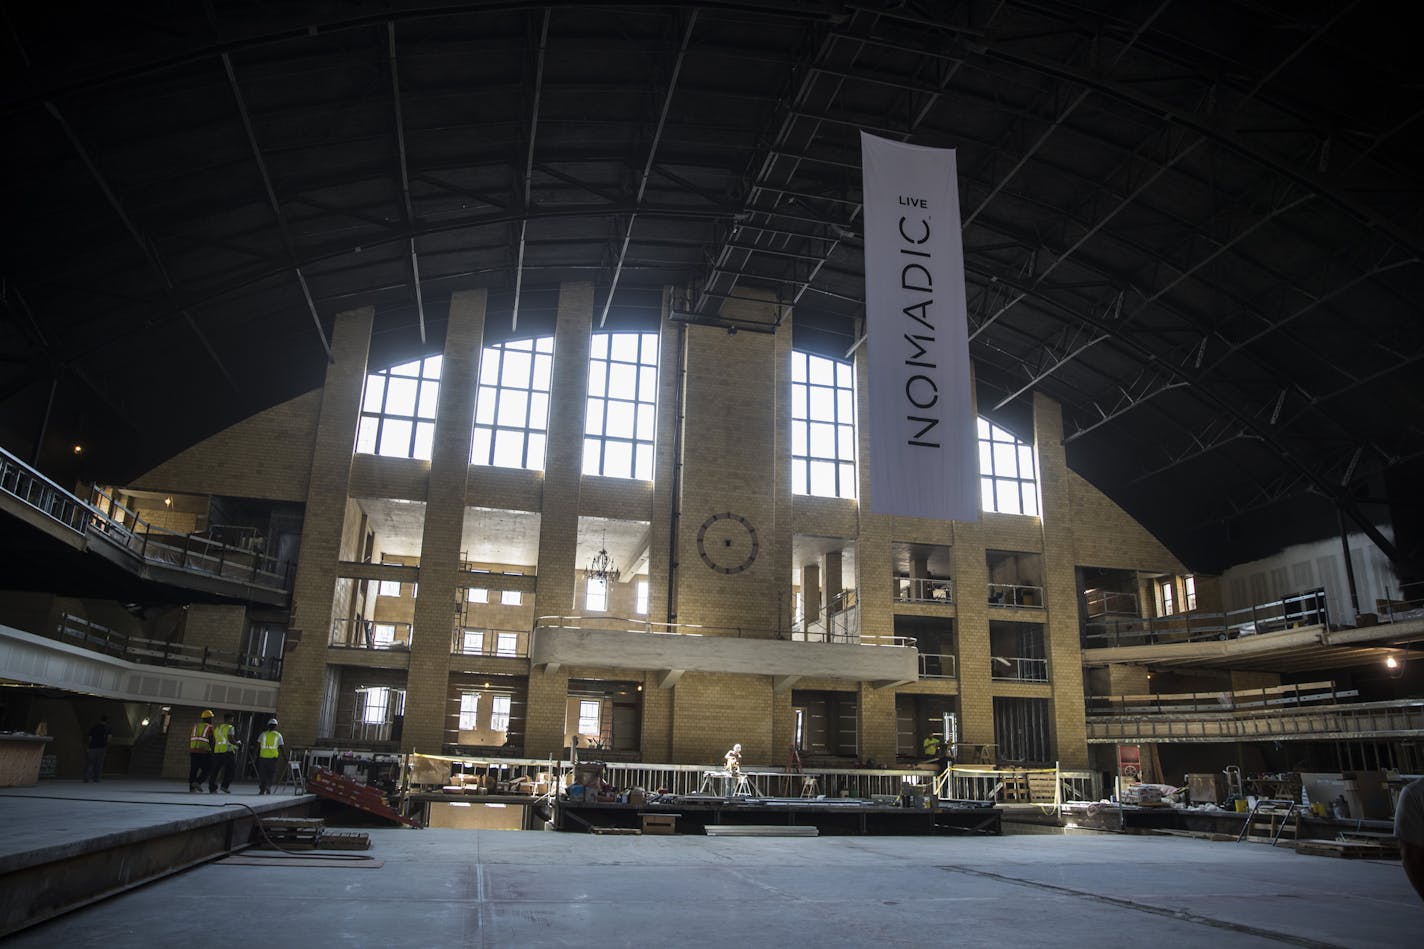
point(727, 542)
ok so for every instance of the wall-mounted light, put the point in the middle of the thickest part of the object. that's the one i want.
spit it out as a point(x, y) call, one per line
point(144, 723)
point(1391, 663)
point(167, 502)
point(79, 449)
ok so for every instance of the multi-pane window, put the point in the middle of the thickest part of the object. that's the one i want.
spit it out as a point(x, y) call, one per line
point(389, 588)
point(1007, 481)
point(822, 426)
point(476, 595)
point(512, 408)
point(398, 410)
point(469, 710)
point(472, 643)
point(510, 598)
point(377, 705)
point(506, 644)
point(383, 635)
point(499, 713)
point(621, 415)
point(1166, 598)
point(588, 716)
point(597, 597)
point(1189, 593)
point(642, 602)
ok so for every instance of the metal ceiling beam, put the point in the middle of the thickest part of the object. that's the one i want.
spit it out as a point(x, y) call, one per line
point(406, 208)
point(529, 167)
point(648, 166)
point(150, 253)
point(275, 205)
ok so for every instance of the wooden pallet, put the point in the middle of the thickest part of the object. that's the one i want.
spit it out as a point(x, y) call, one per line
point(1348, 849)
point(289, 833)
point(343, 840)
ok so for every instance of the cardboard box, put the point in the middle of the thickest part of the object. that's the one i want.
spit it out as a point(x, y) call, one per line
point(660, 824)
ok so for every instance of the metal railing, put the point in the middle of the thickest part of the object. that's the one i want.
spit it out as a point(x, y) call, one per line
point(191, 552)
point(1043, 787)
point(1111, 603)
point(923, 590)
point(156, 652)
point(839, 622)
point(837, 634)
point(1297, 610)
point(27, 485)
point(500, 643)
point(1022, 596)
point(1018, 669)
point(934, 665)
point(1373, 720)
point(370, 634)
point(1176, 703)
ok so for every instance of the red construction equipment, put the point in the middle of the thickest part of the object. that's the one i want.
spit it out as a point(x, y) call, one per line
point(348, 791)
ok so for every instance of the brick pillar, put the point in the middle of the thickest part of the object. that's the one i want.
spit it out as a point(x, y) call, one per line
point(558, 525)
point(427, 682)
point(810, 591)
point(876, 709)
point(832, 576)
point(971, 599)
point(1061, 634)
point(314, 589)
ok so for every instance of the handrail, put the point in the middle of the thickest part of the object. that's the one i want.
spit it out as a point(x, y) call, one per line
point(32, 488)
point(100, 638)
point(623, 624)
point(1228, 701)
point(1019, 669)
point(1402, 717)
point(491, 642)
point(937, 665)
point(924, 590)
point(360, 633)
point(1110, 603)
point(1297, 610)
point(1016, 595)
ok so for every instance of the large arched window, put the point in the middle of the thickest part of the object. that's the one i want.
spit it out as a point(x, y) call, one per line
point(512, 408)
point(1007, 477)
point(398, 410)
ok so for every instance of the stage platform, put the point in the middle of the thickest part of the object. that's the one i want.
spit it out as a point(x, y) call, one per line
point(64, 844)
point(830, 816)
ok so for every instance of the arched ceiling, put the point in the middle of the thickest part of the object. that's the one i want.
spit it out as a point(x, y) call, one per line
point(1196, 225)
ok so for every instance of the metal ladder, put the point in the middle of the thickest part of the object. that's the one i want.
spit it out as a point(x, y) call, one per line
point(1269, 809)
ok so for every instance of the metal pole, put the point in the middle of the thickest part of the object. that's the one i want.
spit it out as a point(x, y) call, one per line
point(1349, 565)
point(44, 422)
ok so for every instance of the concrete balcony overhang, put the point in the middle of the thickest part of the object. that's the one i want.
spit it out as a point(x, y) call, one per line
point(32, 660)
point(672, 654)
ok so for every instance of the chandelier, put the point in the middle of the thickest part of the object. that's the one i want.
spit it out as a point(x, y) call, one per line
point(601, 567)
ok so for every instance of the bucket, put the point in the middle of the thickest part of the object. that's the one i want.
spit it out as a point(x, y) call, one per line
point(1240, 805)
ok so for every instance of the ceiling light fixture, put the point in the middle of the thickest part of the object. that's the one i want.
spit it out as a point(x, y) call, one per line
point(602, 567)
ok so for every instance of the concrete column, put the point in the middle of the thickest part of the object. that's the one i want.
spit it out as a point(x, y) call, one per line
point(920, 566)
point(810, 591)
point(558, 525)
point(314, 589)
point(831, 578)
point(1061, 634)
point(428, 680)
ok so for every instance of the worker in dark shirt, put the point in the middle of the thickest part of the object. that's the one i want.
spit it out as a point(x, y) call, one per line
point(98, 745)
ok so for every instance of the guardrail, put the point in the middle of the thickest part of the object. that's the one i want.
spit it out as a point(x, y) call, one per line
point(934, 665)
point(923, 590)
point(1016, 595)
point(1303, 609)
point(120, 645)
point(1111, 603)
point(27, 485)
point(370, 634)
point(1166, 703)
point(1401, 719)
point(623, 624)
point(1045, 787)
point(1018, 669)
point(501, 643)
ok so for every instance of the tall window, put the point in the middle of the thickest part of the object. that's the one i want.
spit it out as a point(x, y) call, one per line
point(1007, 481)
point(398, 410)
point(499, 713)
point(641, 606)
point(377, 705)
point(1165, 596)
point(469, 710)
point(597, 596)
point(472, 642)
point(512, 408)
point(506, 644)
point(1189, 593)
point(588, 716)
point(621, 415)
point(822, 426)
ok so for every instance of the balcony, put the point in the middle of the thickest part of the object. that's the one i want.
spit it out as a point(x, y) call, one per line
point(370, 634)
point(1018, 669)
point(498, 643)
point(672, 649)
point(111, 642)
point(1016, 596)
point(923, 590)
point(839, 622)
point(1291, 612)
point(1099, 603)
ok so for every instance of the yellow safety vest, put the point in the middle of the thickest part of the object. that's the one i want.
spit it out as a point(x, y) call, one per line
point(270, 743)
point(199, 740)
point(222, 738)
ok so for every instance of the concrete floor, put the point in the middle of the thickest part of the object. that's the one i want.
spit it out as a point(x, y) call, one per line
point(503, 888)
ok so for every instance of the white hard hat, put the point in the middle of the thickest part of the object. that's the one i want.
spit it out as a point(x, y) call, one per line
point(271, 721)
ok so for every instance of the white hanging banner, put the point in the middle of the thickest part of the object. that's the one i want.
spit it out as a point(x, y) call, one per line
point(923, 442)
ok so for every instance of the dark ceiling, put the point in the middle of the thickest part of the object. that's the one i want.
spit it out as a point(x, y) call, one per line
point(1195, 224)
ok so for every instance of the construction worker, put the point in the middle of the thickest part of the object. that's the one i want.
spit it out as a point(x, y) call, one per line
point(269, 750)
point(200, 750)
point(931, 746)
point(224, 756)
